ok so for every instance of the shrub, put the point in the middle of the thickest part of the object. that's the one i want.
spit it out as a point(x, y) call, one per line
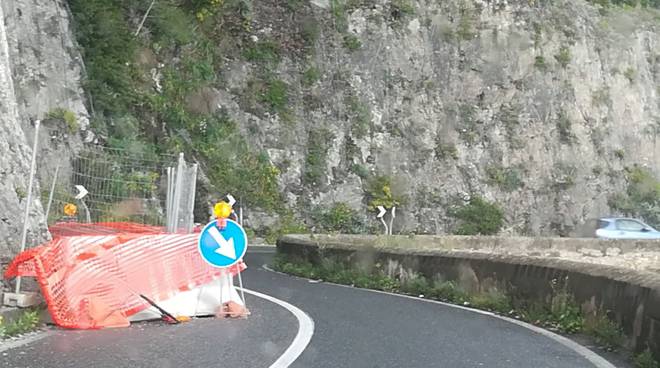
point(311, 76)
point(67, 116)
point(479, 217)
point(510, 118)
point(468, 124)
point(562, 313)
point(627, 3)
point(316, 160)
point(448, 291)
point(310, 31)
point(563, 57)
point(203, 9)
point(340, 218)
point(564, 129)
point(401, 8)
point(601, 97)
point(630, 74)
point(338, 10)
point(360, 116)
point(538, 34)
point(287, 224)
point(539, 63)
point(564, 175)
point(360, 171)
point(619, 153)
point(646, 360)
point(379, 193)
point(294, 5)
point(642, 196)
point(256, 179)
point(416, 285)
point(108, 49)
point(466, 23)
point(445, 151)
point(607, 333)
point(234, 167)
point(20, 193)
point(493, 300)
point(275, 95)
point(568, 319)
point(508, 179)
point(351, 42)
point(170, 24)
point(27, 321)
point(565, 314)
point(262, 52)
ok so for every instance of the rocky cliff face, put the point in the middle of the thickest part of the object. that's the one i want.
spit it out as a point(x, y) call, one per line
point(40, 69)
point(539, 106)
point(536, 105)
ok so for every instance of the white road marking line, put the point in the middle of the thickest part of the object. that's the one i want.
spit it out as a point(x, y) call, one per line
point(593, 358)
point(303, 337)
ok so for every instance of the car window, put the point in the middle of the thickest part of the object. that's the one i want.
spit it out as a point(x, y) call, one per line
point(629, 225)
point(603, 224)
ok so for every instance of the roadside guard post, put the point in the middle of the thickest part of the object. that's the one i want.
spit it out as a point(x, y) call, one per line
point(223, 242)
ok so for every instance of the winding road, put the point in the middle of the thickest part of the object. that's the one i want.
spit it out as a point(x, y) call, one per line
point(351, 328)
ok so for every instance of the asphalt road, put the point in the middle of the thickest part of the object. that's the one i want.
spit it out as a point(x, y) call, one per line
point(206, 342)
point(353, 328)
point(362, 329)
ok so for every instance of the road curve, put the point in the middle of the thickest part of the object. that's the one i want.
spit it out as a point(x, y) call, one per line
point(358, 328)
point(352, 328)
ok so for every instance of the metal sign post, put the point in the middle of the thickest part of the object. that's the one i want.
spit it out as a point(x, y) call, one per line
point(52, 192)
point(28, 202)
point(82, 192)
point(392, 219)
point(223, 243)
point(381, 215)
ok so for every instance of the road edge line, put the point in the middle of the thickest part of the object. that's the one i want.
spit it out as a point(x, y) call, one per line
point(595, 359)
point(303, 337)
point(24, 340)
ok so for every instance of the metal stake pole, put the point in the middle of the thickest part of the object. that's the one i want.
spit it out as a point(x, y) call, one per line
point(177, 192)
point(168, 201)
point(191, 205)
point(222, 281)
point(240, 284)
point(88, 217)
point(28, 203)
point(52, 192)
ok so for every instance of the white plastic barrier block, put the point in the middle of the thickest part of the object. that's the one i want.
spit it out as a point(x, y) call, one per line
point(205, 300)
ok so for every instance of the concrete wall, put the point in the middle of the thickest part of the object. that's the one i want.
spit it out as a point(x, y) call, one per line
point(631, 296)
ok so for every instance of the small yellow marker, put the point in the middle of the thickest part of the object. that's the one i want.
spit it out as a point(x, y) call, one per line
point(70, 209)
point(222, 210)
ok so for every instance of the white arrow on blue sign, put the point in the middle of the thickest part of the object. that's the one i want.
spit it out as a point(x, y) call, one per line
point(223, 248)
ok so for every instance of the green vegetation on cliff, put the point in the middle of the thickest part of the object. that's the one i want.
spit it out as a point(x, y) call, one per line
point(175, 52)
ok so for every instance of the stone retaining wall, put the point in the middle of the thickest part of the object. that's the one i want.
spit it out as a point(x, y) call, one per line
point(527, 266)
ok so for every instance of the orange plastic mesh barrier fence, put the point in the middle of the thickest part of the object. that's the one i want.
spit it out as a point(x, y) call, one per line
point(81, 270)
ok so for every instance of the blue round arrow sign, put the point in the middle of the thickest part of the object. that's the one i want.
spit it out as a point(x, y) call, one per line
point(222, 248)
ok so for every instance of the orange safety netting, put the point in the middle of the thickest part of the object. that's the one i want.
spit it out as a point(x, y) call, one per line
point(91, 275)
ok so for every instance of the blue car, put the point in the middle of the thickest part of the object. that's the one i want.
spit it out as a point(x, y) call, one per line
point(625, 228)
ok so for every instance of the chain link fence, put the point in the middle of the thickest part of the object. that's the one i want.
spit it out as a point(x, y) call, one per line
point(123, 187)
